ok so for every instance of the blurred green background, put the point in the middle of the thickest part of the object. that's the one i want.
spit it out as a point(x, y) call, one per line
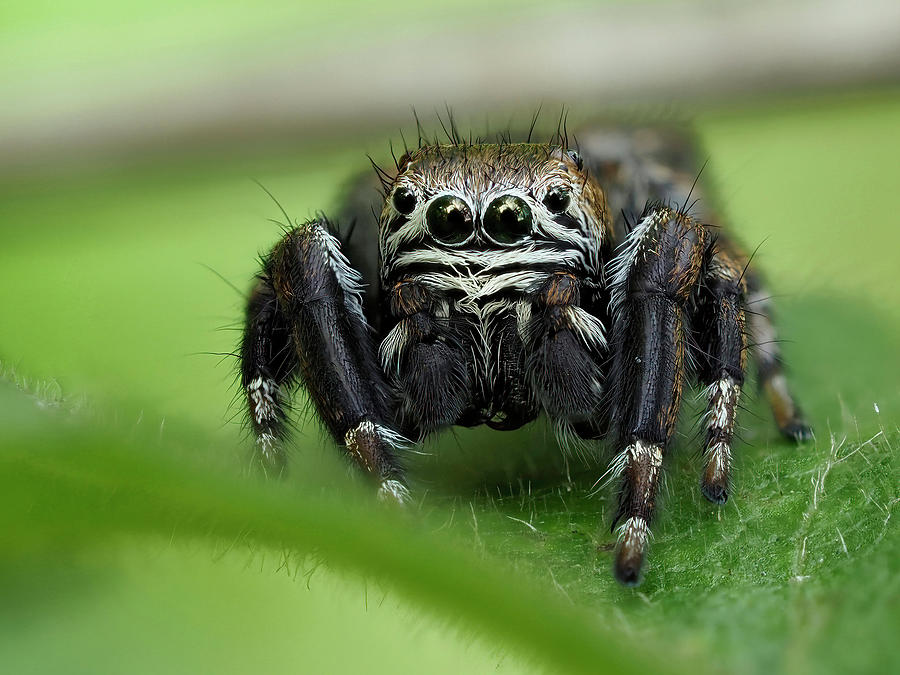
point(132, 536)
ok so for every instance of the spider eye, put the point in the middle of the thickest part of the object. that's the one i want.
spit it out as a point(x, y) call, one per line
point(557, 200)
point(404, 200)
point(507, 219)
point(449, 219)
point(577, 158)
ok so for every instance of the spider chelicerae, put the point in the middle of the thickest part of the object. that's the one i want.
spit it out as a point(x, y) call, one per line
point(506, 280)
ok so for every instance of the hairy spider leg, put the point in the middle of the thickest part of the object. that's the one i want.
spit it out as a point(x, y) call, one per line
point(268, 368)
point(769, 362)
point(653, 277)
point(318, 297)
point(721, 360)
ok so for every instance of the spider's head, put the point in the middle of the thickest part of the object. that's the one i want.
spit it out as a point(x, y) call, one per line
point(492, 197)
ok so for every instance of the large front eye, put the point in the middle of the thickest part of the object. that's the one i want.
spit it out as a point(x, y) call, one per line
point(507, 219)
point(449, 219)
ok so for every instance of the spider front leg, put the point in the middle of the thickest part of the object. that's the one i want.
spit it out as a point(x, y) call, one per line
point(305, 320)
point(652, 280)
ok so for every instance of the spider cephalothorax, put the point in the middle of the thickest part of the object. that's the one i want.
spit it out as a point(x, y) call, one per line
point(469, 237)
point(498, 288)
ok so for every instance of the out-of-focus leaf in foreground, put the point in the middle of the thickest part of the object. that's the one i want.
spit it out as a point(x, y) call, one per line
point(67, 483)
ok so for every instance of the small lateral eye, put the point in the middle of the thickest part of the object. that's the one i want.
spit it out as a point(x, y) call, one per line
point(557, 200)
point(507, 219)
point(577, 158)
point(449, 219)
point(404, 200)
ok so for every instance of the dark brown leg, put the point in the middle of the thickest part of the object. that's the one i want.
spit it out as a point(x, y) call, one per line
point(653, 278)
point(769, 362)
point(308, 304)
point(721, 359)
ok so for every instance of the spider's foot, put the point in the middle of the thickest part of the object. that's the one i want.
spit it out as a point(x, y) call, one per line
point(714, 483)
point(797, 430)
point(630, 554)
point(717, 493)
point(788, 415)
point(270, 455)
point(393, 491)
point(372, 446)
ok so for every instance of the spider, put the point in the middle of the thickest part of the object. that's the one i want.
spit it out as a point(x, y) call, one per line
point(507, 280)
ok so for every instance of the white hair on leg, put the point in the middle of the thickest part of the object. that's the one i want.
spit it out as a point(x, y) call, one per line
point(627, 256)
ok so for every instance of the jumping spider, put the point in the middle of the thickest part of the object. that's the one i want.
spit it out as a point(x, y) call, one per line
point(506, 280)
